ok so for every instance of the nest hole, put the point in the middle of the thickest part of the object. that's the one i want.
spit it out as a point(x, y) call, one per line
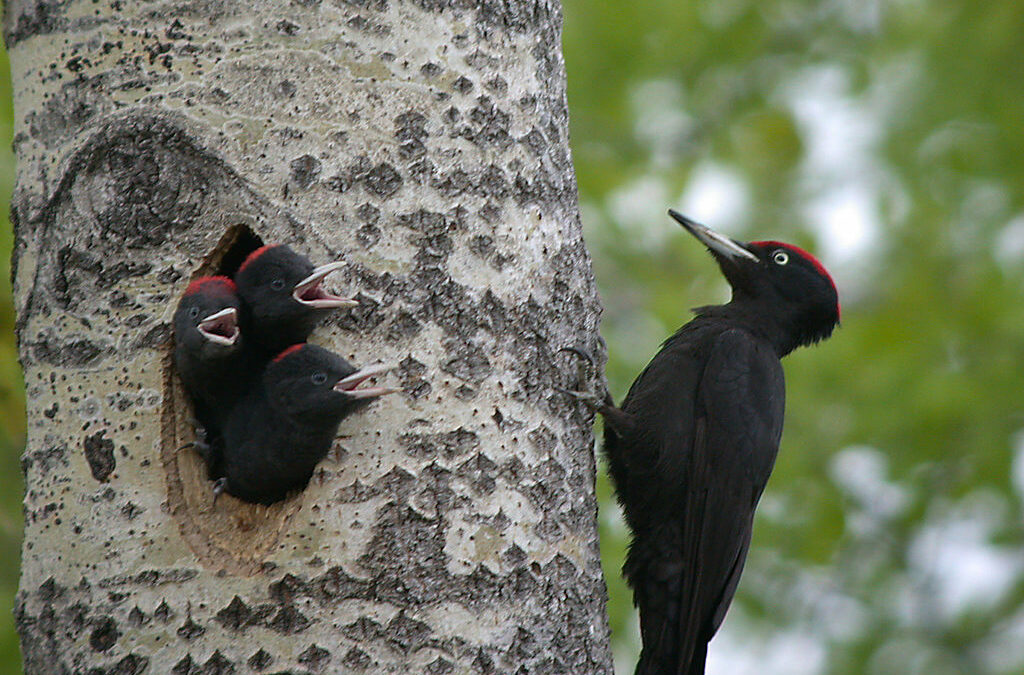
point(227, 256)
point(229, 535)
point(232, 250)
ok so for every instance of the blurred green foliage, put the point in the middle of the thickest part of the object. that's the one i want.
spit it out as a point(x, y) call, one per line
point(12, 399)
point(888, 137)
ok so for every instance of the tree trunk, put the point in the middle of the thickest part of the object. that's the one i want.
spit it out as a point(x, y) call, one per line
point(424, 142)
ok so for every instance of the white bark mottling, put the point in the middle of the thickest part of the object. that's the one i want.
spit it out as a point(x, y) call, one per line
point(423, 142)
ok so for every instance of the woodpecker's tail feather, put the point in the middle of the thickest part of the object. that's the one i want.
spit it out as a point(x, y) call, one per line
point(658, 663)
point(667, 589)
point(700, 655)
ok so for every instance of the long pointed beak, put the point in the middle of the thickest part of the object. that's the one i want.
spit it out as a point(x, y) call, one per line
point(221, 327)
point(716, 242)
point(348, 385)
point(310, 292)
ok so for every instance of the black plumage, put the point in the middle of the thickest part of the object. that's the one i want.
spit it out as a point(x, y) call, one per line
point(692, 445)
point(286, 424)
point(283, 298)
point(210, 358)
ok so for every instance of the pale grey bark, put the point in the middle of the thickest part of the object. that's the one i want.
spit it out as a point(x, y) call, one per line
point(425, 143)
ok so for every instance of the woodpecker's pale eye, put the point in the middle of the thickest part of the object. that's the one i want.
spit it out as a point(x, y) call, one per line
point(277, 284)
point(780, 257)
point(319, 378)
point(193, 313)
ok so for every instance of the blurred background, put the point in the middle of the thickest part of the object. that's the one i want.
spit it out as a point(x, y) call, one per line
point(887, 137)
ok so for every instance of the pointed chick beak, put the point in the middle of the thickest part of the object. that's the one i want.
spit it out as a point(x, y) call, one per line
point(718, 243)
point(310, 290)
point(221, 328)
point(348, 385)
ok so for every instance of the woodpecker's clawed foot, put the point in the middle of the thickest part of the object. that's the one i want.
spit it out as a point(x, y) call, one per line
point(586, 372)
point(615, 419)
point(589, 399)
point(190, 444)
point(200, 444)
point(580, 353)
point(585, 368)
point(219, 486)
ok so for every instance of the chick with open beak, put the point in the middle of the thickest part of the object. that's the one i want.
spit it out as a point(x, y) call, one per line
point(283, 297)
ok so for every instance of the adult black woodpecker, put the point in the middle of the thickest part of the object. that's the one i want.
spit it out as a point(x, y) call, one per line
point(281, 430)
point(693, 443)
point(283, 297)
point(209, 357)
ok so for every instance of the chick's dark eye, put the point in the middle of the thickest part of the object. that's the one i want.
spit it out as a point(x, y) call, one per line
point(193, 313)
point(319, 378)
point(277, 284)
point(780, 257)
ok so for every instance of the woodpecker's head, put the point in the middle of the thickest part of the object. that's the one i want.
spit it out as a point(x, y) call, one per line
point(314, 386)
point(206, 321)
point(284, 292)
point(784, 286)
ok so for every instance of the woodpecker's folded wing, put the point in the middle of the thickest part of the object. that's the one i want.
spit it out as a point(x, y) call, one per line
point(740, 407)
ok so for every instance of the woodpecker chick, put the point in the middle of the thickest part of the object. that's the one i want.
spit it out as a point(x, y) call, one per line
point(283, 297)
point(693, 443)
point(281, 430)
point(209, 357)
